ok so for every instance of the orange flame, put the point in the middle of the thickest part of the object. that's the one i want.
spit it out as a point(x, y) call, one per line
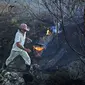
point(38, 48)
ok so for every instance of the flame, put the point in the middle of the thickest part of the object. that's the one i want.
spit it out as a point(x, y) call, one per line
point(38, 48)
point(48, 32)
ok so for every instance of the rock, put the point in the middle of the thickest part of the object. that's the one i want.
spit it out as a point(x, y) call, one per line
point(13, 78)
point(76, 69)
point(60, 77)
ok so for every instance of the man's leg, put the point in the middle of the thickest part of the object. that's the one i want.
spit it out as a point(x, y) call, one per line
point(13, 54)
point(26, 58)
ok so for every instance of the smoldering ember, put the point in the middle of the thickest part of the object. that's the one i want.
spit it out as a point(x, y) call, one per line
point(42, 42)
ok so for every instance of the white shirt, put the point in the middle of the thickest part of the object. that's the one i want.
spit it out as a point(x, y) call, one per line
point(19, 37)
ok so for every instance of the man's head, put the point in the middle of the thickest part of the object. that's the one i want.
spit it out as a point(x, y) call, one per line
point(24, 27)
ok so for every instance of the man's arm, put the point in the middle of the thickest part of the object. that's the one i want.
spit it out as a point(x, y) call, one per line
point(23, 48)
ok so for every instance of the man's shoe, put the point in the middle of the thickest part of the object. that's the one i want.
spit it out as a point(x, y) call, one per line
point(4, 66)
point(28, 77)
point(27, 67)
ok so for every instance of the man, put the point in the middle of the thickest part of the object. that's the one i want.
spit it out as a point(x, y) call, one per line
point(18, 47)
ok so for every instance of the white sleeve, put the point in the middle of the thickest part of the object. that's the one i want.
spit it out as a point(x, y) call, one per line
point(17, 37)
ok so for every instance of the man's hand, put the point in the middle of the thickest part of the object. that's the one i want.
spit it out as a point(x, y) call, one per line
point(27, 50)
point(28, 40)
point(21, 47)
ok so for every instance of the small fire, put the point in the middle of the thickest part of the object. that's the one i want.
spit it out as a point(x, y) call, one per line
point(48, 32)
point(38, 48)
